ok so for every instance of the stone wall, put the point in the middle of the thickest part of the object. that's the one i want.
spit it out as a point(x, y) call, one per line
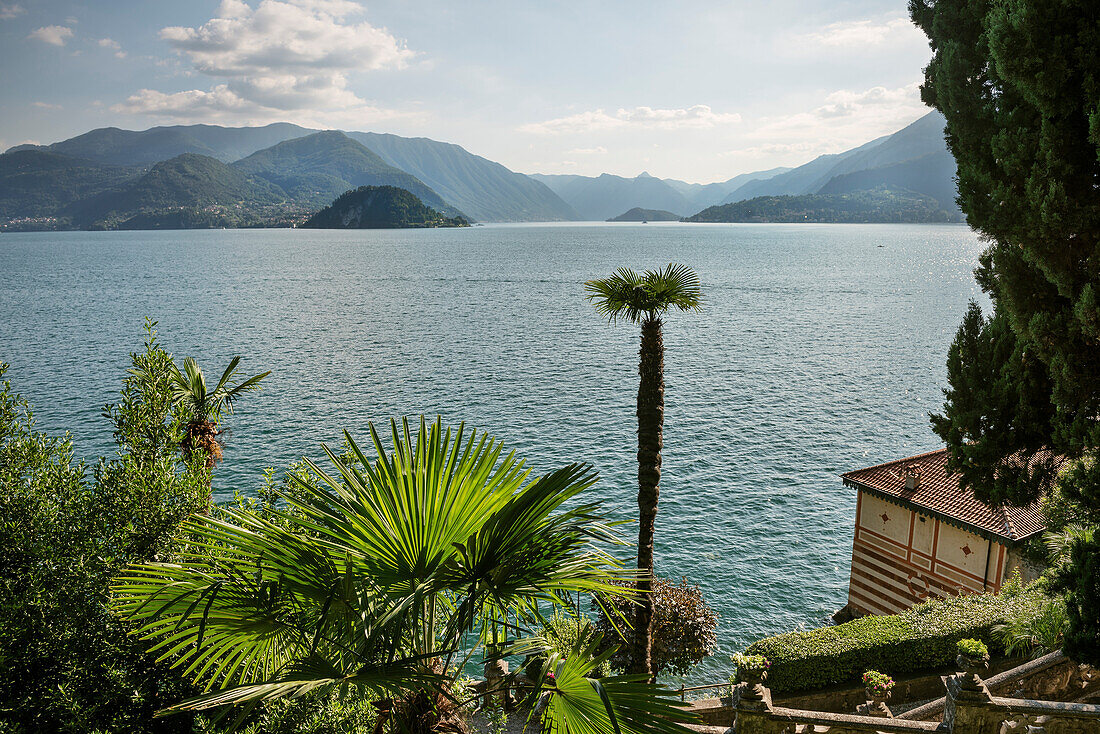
point(1029, 570)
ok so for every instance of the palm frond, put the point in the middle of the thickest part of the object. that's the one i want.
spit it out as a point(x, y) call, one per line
point(348, 579)
point(623, 704)
point(1059, 543)
point(189, 388)
point(628, 295)
point(675, 286)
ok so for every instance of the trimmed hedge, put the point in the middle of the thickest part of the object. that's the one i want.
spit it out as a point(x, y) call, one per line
point(918, 639)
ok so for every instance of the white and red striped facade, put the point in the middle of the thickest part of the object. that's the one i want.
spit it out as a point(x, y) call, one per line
point(901, 557)
point(928, 538)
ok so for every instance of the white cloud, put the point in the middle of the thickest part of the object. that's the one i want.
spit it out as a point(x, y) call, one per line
point(113, 45)
point(222, 104)
point(697, 116)
point(277, 60)
point(11, 10)
point(46, 106)
point(873, 111)
point(862, 33)
point(844, 103)
point(598, 150)
point(843, 120)
point(55, 35)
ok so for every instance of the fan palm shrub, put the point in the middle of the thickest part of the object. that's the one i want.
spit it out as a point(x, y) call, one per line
point(644, 298)
point(189, 390)
point(385, 576)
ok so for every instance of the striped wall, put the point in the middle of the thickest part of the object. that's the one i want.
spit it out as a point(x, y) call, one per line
point(901, 558)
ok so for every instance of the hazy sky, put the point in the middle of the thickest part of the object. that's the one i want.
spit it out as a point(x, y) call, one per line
point(694, 90)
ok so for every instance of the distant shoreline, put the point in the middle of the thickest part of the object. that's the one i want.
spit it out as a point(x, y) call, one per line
point(8, 231)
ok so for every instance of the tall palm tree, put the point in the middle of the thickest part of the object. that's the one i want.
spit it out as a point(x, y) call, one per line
point(644, 298)
point(385, 576)
point(205, 406)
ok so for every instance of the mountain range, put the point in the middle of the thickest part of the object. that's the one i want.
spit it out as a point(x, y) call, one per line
point(315, 169)
point(477, 187)
point(915, 158)
point(281, 173)
point(603, 197)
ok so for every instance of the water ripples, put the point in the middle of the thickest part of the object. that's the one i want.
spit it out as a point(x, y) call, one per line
point(817, 352)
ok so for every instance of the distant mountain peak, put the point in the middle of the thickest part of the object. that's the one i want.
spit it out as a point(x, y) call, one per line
point(317, 168)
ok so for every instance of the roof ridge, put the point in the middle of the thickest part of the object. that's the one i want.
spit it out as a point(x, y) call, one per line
point(1009, 525)
point(896, 461)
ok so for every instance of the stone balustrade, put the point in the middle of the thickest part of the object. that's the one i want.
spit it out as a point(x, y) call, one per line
point(1050, 677)
point(969, 708)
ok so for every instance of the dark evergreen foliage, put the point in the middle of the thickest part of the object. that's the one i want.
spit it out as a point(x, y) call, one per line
point(380, 207)
point(1019, 84)
point(995, 389)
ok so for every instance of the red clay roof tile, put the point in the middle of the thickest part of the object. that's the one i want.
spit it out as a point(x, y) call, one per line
point(939, 493)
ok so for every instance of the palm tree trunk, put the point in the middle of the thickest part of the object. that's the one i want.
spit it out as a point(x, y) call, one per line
point(651, 419)
point(202, 439)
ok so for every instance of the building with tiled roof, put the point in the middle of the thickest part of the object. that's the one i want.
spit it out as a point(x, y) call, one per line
point(920, 534)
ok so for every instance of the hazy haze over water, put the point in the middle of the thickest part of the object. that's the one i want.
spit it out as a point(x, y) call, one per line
point(818, 352)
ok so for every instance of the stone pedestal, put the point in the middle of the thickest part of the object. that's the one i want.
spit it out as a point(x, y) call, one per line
point(969, 707)
point(875, 706)
point(497, 693)
point(753, 707)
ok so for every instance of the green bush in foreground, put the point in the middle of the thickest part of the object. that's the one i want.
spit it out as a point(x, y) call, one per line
point(921, 638)
point(67, 665)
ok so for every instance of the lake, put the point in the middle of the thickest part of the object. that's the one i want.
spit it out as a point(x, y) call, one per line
point(821, 349)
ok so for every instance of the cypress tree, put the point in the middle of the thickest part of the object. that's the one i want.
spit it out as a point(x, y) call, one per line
point(1019, 84)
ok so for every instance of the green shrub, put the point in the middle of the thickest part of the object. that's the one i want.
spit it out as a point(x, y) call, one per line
point(749, 664)
point(1035, 635)
point(684, 628)
point(315, 713)
point(918, 639)
point(563, 631)
point(972, 648)
point(66, 664)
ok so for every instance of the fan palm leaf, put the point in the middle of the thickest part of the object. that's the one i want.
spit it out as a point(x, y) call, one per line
point(189, 387)
point(634, 296)
point(577, 702)
point(343, 587)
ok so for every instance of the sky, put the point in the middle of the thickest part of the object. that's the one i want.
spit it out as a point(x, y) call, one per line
point(694, 90)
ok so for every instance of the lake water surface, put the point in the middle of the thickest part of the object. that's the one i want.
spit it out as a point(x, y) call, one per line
point(821, 349)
